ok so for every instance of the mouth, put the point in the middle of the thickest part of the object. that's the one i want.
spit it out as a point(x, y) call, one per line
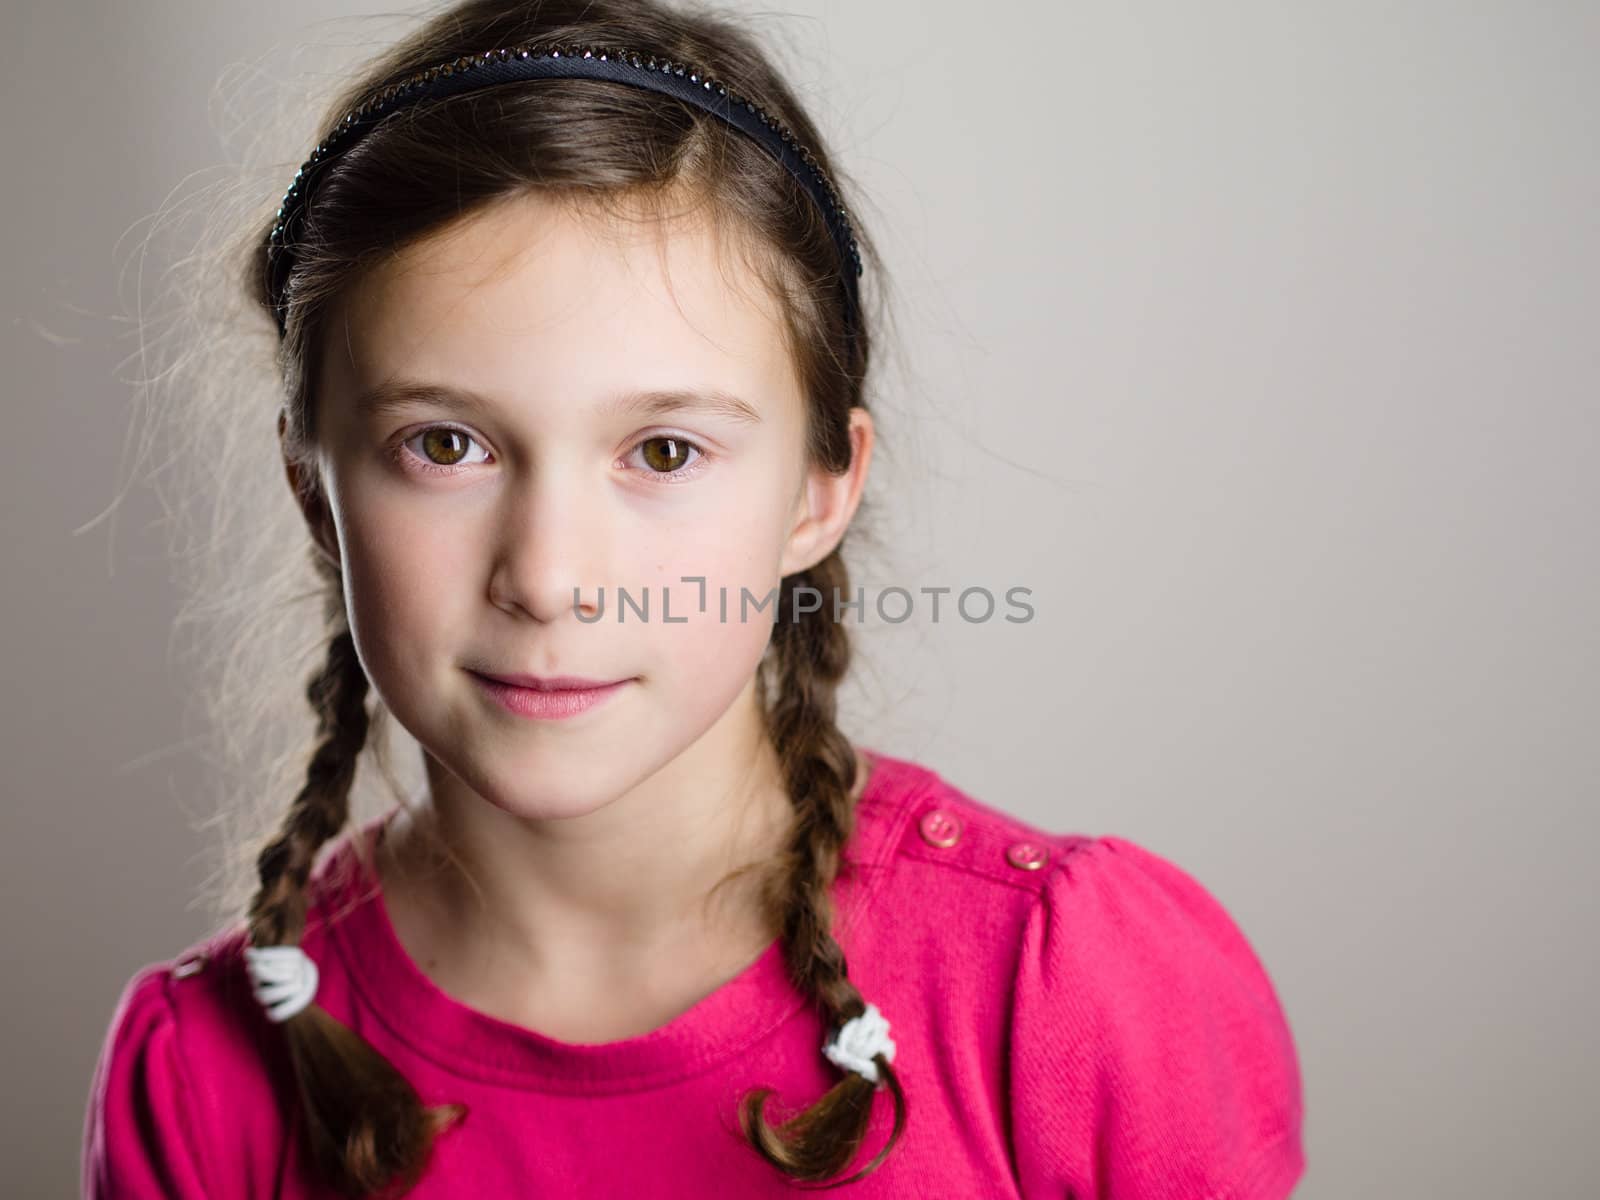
point(550, 683)
point(551, 698)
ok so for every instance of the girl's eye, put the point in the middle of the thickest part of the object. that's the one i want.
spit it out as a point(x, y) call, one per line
point(438, 442)
point(443, 449)
point(667, 456)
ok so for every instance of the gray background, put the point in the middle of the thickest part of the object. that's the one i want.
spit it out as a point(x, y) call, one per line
point(1258, 339)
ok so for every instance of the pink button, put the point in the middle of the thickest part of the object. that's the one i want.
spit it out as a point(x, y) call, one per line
point(1026, 856)
point(941, 829)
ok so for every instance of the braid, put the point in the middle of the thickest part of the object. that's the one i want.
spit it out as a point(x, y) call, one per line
point(810, 657)
point(365, 1121)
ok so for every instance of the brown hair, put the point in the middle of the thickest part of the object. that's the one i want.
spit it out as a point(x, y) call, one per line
point(602, 145)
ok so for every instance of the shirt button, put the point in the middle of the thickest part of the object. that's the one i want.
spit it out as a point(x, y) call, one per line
point(1026, 856)
point(940, 829)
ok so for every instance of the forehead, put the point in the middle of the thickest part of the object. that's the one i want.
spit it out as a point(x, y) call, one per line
point(535, 296)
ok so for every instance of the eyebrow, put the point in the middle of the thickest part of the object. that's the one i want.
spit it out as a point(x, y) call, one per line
point(401, 394)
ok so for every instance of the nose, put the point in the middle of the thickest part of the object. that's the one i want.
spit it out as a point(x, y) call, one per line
point(549, 547)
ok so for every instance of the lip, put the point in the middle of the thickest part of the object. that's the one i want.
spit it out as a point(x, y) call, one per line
point(557, 698)
point(550, 683)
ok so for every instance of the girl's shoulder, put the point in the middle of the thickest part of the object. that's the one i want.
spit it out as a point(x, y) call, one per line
point(185, 1098)
point(1144, 1042)
point(1109, 902)
point(944, 839)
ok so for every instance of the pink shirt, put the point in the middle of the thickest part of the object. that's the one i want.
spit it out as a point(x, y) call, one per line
point(1090, 1025)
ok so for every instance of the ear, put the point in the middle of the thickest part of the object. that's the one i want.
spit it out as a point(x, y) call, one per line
point(828, 502)
point(311, 502)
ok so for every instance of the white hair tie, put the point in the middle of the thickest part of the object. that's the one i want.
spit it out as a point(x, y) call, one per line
point(283, 977)
point(855, 1043)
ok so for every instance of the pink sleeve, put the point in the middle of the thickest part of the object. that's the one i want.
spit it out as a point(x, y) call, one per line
point(1150, 1058)
point(138, 1139)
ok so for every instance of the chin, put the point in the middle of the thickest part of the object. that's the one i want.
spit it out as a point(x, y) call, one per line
point(552, 786)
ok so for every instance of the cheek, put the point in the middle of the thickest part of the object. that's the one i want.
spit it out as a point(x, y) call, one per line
point(734, 536)
point(401, 578)
point(737, 554)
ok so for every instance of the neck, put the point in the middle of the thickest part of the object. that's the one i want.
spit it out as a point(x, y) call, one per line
point(499, 908)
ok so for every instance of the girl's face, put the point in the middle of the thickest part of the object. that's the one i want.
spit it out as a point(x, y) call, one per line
point(534, 403)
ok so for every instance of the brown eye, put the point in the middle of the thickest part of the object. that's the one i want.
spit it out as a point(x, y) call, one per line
point(450, 443)
point(442, 449)
point(666, 454)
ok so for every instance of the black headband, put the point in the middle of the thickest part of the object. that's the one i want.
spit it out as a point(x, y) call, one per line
point(520, 63)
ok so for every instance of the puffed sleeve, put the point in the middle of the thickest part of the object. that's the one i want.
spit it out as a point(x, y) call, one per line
point(1149, 1056)
point(138, 1140)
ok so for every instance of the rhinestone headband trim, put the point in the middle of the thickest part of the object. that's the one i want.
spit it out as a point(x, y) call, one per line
point(543, 61)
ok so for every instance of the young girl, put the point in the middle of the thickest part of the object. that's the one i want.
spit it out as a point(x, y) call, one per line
point(573, 363)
